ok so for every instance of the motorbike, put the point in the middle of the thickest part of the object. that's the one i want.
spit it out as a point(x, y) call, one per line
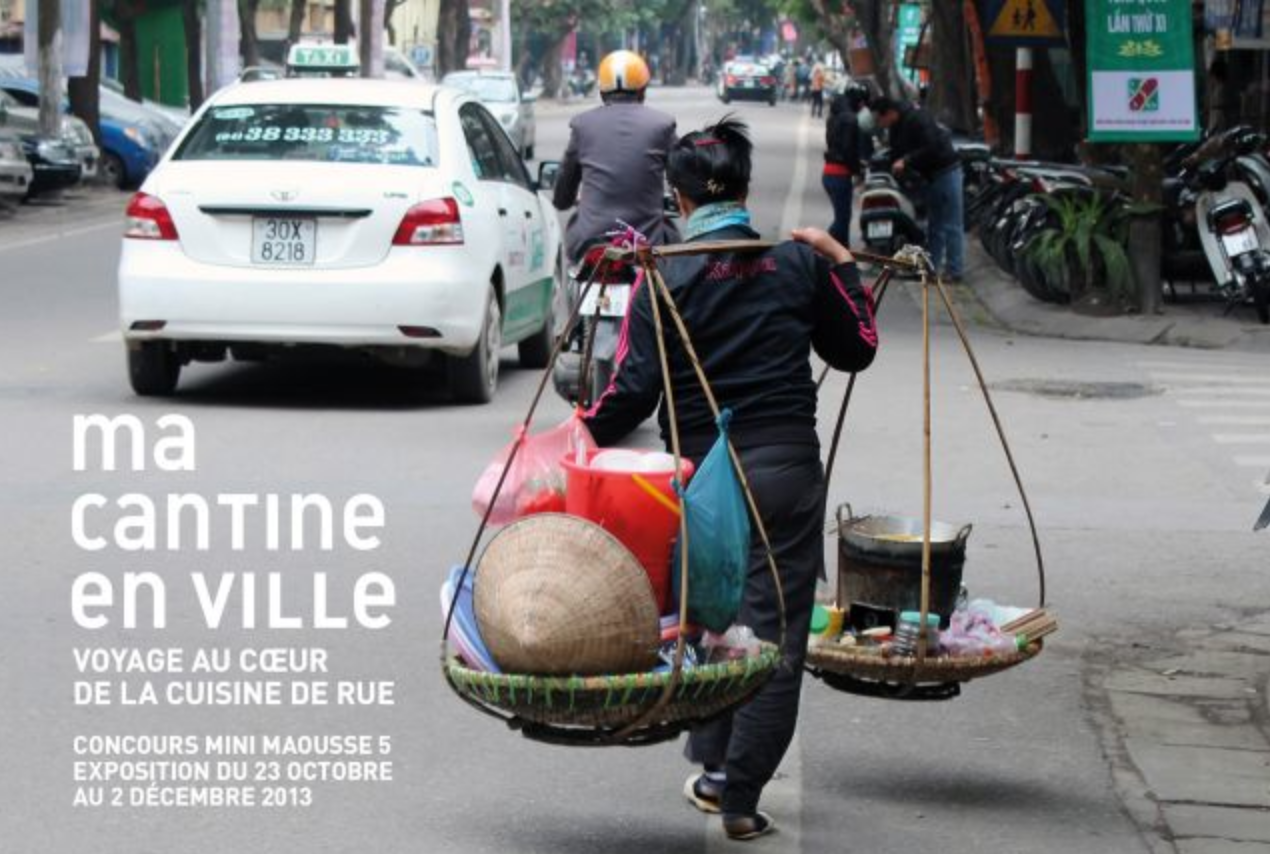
point(593, 341)
point(891, 210)
point(1233, 230)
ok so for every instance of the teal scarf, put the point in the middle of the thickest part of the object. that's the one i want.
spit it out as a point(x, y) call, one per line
point(715, 216)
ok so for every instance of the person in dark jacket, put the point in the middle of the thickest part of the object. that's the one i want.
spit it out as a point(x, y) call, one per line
point(846, 149)
point(754, 318)
point(918, 143)
point(615, 162)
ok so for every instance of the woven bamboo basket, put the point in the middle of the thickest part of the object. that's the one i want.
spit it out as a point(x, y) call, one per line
point(906, 670)
point(597, 704)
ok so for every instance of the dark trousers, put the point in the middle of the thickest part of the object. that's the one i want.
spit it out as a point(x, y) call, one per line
point(788, 484)
point(839, 188)
point(817, 103)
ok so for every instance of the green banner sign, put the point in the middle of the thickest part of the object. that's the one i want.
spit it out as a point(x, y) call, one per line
point(1141, 60)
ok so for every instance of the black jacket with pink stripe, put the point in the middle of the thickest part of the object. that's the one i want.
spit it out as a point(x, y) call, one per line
point(754, 319)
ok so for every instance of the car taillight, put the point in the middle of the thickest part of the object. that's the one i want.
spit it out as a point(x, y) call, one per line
point(431, 223)
point(730, 80)
point(148, 219)
point(878, 202)
point(769, 81)
point(1233, 222)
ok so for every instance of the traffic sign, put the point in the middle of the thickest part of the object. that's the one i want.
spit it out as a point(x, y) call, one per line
point(1026, 22)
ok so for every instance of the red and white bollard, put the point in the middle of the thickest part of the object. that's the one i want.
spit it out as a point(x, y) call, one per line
point(1023, 104)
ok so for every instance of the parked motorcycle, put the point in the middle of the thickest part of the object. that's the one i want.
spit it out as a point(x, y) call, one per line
point(1231, 220)
point(891, 211)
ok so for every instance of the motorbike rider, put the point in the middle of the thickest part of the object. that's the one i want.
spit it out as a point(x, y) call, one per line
point(616, 157)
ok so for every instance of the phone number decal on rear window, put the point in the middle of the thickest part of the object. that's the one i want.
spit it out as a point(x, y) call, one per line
point(274, 133)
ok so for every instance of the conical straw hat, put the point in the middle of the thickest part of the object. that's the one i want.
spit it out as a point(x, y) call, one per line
point(557, 594)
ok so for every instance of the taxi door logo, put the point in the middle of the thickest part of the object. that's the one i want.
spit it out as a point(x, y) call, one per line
point(1144, 94)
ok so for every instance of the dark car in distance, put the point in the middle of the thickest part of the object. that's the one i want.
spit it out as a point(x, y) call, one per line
point(747, 81)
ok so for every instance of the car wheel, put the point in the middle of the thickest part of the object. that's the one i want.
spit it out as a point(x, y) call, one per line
point(474, 377)
point(153, 368)
point(112, 170)
point(535, 351)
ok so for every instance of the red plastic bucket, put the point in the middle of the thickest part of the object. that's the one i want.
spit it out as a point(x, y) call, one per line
point(619, 503)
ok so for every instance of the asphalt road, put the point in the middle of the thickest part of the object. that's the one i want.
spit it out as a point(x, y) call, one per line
point(1145, 504)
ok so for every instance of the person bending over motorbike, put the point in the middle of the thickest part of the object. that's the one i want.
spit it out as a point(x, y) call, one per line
point(616, 158)
point(753, 318)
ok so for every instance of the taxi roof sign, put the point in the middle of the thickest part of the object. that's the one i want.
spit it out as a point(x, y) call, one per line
point(1025, 22)
point(322, 58)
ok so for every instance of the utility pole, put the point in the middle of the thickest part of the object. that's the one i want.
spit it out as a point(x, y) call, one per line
point(370, 37)
point(223, 33)
point(50, 47)
point(505, 33)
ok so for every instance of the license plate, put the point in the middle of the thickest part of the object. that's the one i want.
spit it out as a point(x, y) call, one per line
point(616, 299)
point(283, 241)
point(1240, 242)
point(749, 84)
point(881, 229)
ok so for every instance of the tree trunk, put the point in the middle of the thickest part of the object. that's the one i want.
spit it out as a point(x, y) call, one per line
point(1147, 168)
point(454, 31)
point(836, 28)
point(390, 6)
point(551, 77)
point(952, 91)
point(84, 92)
point(343, 21)
point(193, 51)
point(876, 19)
point(129, 61)
point(295, 24)
point(50, 50)
point(247, 26)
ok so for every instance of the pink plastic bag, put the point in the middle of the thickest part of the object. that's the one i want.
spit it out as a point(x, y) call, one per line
point(536, 481)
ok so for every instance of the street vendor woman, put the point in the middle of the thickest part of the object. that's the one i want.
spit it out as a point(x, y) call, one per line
point(754, 318)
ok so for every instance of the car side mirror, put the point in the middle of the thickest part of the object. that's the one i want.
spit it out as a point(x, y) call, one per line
point(528, 97)
point(548, 175)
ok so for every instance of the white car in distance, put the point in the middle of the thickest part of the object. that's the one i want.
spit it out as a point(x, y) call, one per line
point(383, 216)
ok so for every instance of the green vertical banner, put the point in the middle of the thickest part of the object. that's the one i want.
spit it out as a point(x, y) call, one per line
point(908, 34)
point(1141, 59)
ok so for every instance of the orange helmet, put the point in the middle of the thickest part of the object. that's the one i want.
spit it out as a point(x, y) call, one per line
point(623, 71)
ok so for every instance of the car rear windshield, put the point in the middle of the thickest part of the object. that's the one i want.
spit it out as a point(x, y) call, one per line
point(314, 132)
point(489, 89)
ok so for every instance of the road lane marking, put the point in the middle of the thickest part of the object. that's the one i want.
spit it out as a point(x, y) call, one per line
point(791, 217)
point(1242, 438)
point(114, 336)
point(49, 238)
point(1236, 420)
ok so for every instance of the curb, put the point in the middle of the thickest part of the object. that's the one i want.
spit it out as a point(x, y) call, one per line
point(1185, 726)
point(1200, 326)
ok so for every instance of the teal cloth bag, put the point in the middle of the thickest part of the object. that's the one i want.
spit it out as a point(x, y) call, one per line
point(718, 538)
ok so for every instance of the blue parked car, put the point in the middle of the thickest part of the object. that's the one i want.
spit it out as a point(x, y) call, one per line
point(131, 144)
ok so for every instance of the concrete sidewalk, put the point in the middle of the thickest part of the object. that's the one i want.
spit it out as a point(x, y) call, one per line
point(1195, 324)
point(1187, 730)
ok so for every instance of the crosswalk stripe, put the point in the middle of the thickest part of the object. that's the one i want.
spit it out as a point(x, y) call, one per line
point(1223, 404)
point(1152, 367)
point(1242, 438)
point(1213, 379)
point(1253, 462)
point(1235, 420)
point(1223, 391)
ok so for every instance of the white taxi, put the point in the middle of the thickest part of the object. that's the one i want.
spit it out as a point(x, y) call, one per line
point(382, 216)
